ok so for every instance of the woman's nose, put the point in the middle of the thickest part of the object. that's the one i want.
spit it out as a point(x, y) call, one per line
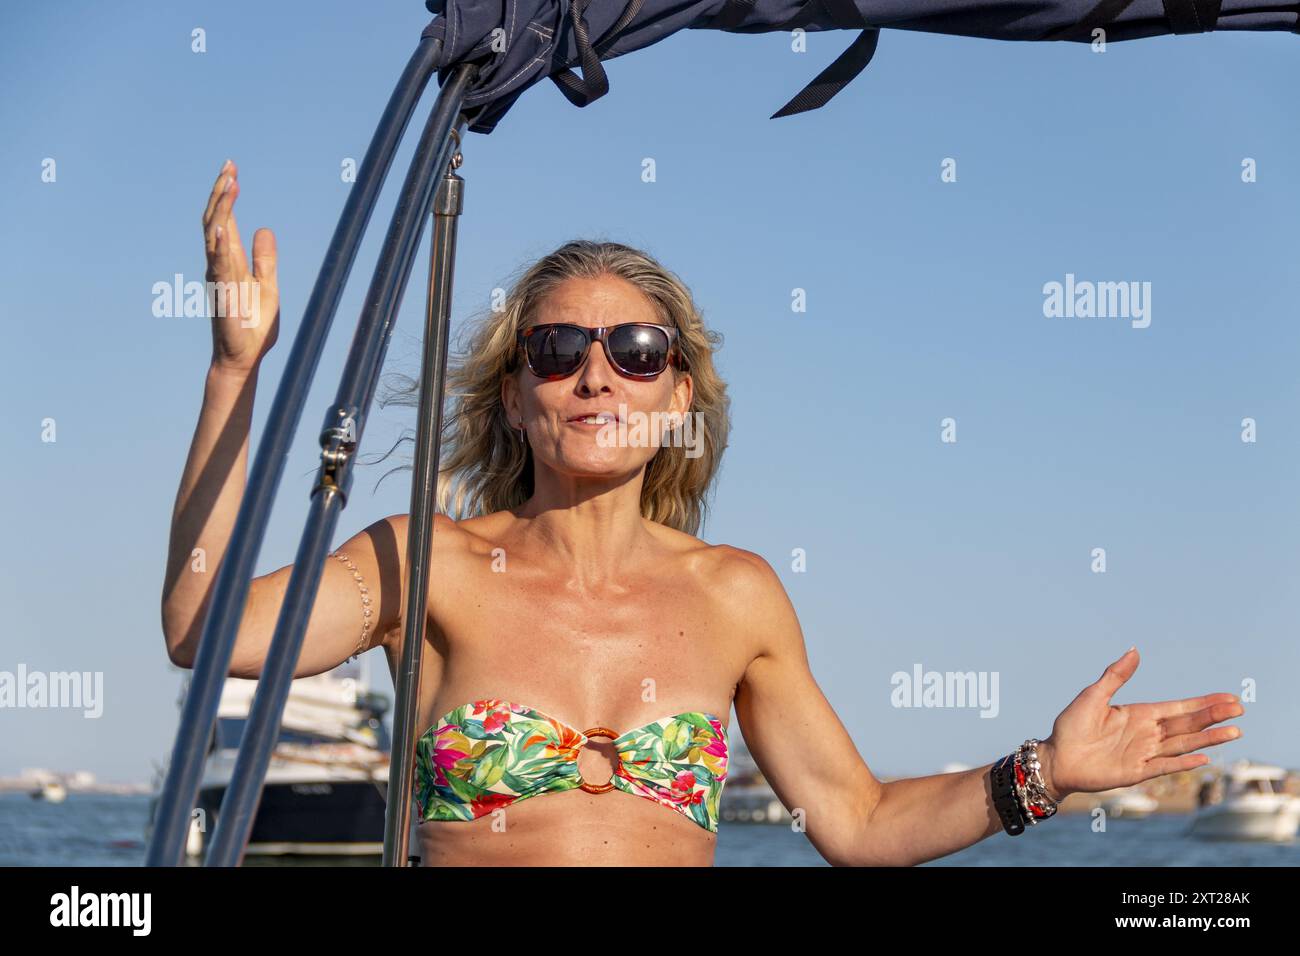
point(596, 372)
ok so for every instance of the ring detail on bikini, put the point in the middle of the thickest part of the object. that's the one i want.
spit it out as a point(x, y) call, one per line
point(597, 787)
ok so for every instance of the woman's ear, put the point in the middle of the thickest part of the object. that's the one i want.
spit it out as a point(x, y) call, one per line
point(683, 393)
point(510, 399)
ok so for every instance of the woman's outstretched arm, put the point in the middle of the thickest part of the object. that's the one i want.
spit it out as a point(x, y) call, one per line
point(853, 819)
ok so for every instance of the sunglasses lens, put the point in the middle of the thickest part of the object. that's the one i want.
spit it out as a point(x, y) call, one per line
point(639, 349)
point(556, 350)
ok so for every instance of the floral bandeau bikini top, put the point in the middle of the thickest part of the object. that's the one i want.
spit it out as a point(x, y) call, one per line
point(488, 754)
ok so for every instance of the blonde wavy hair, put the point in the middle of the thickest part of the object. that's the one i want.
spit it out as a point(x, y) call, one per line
point(484, 465)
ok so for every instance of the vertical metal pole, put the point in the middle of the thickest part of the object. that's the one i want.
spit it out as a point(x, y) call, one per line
point(230, 590)
point(341, 434)
point(424, 488)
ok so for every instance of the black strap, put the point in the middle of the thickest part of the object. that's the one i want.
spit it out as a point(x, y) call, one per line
point(1185, 16)
point(1002, 789)
point(845, 14)
point(593, 84)
point(835, 77)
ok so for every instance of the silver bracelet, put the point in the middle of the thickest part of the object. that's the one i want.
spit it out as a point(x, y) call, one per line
point(1031, 791)
point(365, 604)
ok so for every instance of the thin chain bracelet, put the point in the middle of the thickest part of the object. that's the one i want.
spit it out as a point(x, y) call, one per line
point(365, 603)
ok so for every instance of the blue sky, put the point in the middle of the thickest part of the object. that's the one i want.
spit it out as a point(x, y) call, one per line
point(924, 301)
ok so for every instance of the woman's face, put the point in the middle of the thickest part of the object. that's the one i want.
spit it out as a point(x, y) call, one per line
point(549, 409)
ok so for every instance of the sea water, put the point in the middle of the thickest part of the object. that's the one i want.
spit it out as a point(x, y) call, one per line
point(104, 830)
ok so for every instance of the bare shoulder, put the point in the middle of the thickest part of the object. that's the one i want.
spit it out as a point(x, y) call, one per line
point(479, 534)
point(721, 567)
point(447, 531)
point(390, 537)
point(753, 600)
point(743, 579)
point(744, 591)
point(454, 548)
point(746, 573)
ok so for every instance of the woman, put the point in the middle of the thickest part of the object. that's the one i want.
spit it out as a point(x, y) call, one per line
point(582, 639)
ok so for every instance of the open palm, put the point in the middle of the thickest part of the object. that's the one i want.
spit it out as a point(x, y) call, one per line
point(1097, 745)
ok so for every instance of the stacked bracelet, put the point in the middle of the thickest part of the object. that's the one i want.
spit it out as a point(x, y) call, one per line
point(365, 604)
point(1035, 802)
point(1019, 794)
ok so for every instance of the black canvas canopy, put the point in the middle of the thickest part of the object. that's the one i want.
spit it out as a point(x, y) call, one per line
point(517, 43)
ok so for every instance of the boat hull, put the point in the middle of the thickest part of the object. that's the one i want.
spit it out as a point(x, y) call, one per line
point(1277, 821)
point(311, 818)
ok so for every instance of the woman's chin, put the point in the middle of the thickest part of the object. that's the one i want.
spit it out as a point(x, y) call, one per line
point(598, 463)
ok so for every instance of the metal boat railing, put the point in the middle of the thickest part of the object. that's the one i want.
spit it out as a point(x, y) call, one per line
point(436, 157)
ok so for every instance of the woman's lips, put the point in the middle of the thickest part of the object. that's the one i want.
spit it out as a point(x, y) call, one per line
point(578, 422)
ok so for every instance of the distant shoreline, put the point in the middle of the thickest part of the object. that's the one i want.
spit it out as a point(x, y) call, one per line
point(100, 789)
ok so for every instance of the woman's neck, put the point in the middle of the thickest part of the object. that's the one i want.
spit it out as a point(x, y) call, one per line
point(593, 527)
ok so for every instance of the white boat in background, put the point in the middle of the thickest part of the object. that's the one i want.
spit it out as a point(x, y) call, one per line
point(1130, 804)
point(752, 803)
point(51, 791)
point(1254, 806)
point(326, 785)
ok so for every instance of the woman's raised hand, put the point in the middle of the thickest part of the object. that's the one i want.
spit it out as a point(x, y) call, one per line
point(1096, 745)
point(245, 306)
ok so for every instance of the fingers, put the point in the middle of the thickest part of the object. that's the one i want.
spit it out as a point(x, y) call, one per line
point(264, 256)
point(1186, 743)
point(1185, 733)
point(219, 221)
point(236, 257)
point(1160, 766)
point(218, 253)
point(217, 188)
point(211, 216)
point(1190, 705)
point(1216, 707)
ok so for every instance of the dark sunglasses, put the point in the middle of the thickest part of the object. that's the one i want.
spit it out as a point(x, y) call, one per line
point(641, 350)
